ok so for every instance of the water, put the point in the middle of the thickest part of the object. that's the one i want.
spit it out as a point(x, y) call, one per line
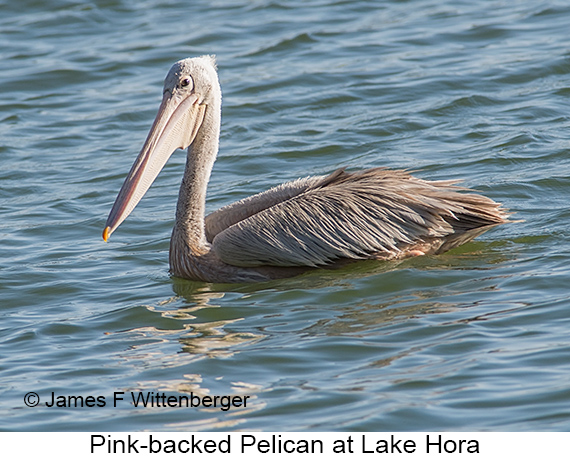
point(477, 339)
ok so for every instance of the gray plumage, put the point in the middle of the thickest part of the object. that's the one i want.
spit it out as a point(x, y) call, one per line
point(311, 222)
point(374, 214)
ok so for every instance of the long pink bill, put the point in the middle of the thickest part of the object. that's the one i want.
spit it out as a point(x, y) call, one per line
point(174, 127)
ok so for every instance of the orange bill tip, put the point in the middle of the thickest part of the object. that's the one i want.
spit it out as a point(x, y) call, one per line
point(106, 234)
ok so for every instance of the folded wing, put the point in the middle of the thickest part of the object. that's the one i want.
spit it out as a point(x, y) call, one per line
point(377, 213)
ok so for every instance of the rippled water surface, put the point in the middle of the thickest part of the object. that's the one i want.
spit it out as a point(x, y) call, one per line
point(476, 339)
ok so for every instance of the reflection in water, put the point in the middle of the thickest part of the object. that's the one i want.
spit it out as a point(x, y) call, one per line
point(190, 383)
point(231, 418)
point(195, 292)
point(184, 342)
point(200, 339)
point(213, 340)
point(210, 337)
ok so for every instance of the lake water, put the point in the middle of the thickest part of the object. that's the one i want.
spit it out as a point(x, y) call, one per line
point(476, 339)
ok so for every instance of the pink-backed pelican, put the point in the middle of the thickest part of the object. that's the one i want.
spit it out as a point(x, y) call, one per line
point(317, 221)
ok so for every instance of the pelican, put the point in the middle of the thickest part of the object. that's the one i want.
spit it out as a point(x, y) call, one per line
point(313, 222)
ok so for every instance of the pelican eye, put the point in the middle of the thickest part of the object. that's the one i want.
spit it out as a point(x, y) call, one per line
point(185, 82)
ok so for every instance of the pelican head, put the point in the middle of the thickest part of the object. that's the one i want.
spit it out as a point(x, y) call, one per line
point(190, 87)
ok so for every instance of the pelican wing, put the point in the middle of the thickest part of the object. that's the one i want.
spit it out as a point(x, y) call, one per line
point(373, 214)
point(229, 215)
